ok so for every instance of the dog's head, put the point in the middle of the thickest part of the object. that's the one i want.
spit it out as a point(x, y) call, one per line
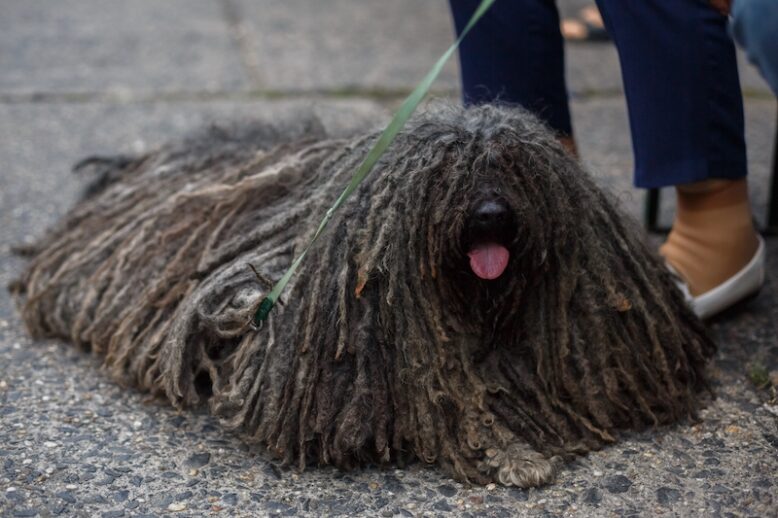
point(479, 197)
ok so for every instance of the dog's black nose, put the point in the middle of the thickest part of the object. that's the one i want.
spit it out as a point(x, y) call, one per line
point(490, 220)
point(491, 215)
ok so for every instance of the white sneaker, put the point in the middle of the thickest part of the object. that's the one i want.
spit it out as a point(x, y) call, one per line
point(744, 283)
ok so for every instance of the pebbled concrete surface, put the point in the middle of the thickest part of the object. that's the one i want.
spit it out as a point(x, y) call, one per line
point(92, 77)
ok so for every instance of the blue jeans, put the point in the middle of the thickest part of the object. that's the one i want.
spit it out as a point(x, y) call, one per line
point(755, 27)
point(679, 72)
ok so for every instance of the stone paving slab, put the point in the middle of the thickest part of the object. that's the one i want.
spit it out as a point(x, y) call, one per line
point(341, 44)
point(386, 46)
point(75, 46)
point(73, 443)
point(72, 47)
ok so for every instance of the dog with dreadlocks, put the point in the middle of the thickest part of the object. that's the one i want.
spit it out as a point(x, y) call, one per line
point(478, 304)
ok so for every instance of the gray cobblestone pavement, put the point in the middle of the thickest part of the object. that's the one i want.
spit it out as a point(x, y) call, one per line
point(88, 76)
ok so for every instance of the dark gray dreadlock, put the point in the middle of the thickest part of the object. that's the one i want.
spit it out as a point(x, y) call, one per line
point(387, 346)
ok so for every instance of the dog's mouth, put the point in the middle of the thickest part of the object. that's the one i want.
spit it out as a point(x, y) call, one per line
point(489, 260)
point(489, 232)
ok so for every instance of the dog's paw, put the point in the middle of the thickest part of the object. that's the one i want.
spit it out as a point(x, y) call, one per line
point(521, 466)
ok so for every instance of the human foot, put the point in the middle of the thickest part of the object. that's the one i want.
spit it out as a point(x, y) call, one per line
point(588, 26)
point(713, 238)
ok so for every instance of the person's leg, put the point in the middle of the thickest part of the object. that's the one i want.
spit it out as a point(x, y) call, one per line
point(755, 27)
point(515, 55)
point(713, 235)
point(683, 92)
point(686, 116)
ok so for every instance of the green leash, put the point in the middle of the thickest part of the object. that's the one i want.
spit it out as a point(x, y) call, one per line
point(398, 121)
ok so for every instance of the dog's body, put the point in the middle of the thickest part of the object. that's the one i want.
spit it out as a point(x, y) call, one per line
point(561, 329)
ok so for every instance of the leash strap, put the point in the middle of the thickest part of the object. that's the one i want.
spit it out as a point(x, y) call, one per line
point(390, 132)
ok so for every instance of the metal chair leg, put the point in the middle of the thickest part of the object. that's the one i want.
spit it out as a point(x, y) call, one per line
point(651, 215)
point(772, 203)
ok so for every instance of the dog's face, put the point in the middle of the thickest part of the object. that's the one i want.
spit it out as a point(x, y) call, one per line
point(484, 214)
point(489, 235)
point(492, 253)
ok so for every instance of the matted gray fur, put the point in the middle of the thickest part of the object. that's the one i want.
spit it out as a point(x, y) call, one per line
point(387, 347)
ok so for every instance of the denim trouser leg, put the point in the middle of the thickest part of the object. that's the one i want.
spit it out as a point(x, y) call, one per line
point(755, 27)
point(515, 55)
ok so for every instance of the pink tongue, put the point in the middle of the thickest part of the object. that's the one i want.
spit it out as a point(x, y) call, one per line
point(489, 260)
